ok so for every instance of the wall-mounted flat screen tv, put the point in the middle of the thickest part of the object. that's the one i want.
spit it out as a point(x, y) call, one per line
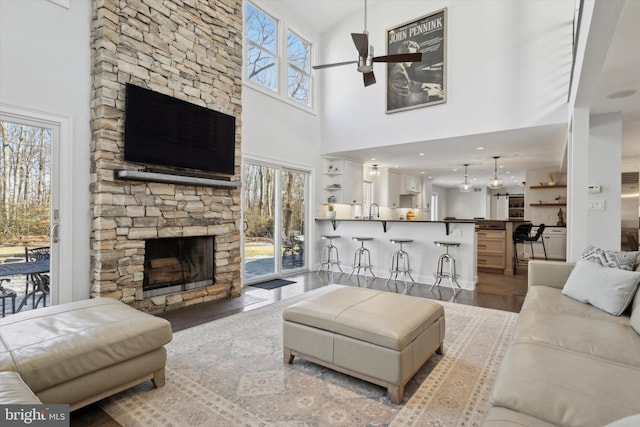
point(166, 131)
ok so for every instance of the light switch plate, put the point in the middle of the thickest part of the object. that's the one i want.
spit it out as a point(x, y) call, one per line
point(595, 205)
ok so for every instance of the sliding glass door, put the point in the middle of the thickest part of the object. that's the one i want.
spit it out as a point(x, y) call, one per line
point(274, 216)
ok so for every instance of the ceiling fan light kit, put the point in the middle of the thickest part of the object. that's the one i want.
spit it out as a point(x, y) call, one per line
point(365, 55)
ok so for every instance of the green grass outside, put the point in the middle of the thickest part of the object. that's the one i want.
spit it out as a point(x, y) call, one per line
point(11, 250)
point(258, 250)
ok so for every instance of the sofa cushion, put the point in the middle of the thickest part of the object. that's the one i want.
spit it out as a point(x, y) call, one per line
point(565, 388)
point(635, 313)
point(609, 289)
point(14, 391)
point(598, 338)
point(503, 417)
point(616, 259)
point(550, 300)
point(53, 345)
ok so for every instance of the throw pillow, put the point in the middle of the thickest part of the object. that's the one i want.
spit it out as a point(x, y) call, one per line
point(623, 260)
point(635, 313)
point(609, 289)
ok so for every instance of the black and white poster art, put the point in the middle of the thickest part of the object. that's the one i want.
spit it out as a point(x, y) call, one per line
point(418, 84)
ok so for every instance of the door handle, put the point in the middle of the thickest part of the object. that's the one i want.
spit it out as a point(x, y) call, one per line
point(55, 232)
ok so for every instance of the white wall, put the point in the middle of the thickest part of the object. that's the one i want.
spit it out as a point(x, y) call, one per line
point(467, 205)
point(605, 139)
point(45, 66)
point(505, 75)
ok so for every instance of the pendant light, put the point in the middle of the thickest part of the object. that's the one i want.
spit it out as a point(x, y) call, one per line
point(374, 171)
point(496, 182)
point(465, 187)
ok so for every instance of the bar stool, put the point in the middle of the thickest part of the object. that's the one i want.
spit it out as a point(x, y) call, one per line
point(7, 293)
point(330, 255)
point(400, 264)
point(450, 273)
point(362, 258)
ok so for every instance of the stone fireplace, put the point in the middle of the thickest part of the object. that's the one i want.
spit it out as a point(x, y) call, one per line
point(191, 50)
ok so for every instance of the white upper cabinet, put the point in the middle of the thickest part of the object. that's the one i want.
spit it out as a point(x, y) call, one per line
point(410, 184)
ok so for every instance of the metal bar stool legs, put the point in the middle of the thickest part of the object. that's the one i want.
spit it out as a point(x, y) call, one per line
point(400, 264)
point(447, 273)
point(330, 256)
point(362, 259)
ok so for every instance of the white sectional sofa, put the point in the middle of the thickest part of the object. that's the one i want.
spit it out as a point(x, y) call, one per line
point(570, 363)
point(80, 352)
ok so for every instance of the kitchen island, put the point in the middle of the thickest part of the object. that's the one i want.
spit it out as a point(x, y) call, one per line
point(423, 252)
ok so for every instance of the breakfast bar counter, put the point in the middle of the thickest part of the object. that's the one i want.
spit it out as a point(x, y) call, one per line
point(423, 252)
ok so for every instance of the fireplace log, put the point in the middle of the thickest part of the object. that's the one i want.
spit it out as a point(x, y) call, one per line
point(164, 270)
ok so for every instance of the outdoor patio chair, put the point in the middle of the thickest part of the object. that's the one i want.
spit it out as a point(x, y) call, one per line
point(32, 255)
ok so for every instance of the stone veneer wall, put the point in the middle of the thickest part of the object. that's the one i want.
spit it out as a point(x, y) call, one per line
point(192, 50)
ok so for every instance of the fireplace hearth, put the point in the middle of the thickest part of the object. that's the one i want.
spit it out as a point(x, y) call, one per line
point(178, 264)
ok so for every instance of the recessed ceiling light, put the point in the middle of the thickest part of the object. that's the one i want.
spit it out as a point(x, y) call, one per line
point(429, 177)
point(479, 148)
point(454, 170)
point(501, 166)
point(373, 158)
point(622, 94)
point(420, 154)
point(422, 173)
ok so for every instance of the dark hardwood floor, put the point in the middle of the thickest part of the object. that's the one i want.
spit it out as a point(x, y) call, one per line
point(495, 291)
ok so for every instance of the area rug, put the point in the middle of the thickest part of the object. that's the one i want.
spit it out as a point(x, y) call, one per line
point(230, 372)
point(272, 284)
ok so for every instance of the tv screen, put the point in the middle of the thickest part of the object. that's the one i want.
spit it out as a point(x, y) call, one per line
point(166, 131)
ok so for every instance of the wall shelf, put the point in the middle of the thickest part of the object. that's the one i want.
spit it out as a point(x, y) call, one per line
point(547, 204)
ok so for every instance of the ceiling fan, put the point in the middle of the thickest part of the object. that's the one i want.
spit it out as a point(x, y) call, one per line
point(365, 55)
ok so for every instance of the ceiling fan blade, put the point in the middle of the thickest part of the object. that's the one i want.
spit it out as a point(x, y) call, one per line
point(337, 64)
point(400, 57)
point(361, 40)
point(369, 79)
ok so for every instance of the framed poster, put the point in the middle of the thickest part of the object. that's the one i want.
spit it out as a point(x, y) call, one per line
point(418, 84)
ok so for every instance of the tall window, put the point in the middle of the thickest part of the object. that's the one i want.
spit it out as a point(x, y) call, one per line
point(261, 32)
point(286, 73)
point(299, 78)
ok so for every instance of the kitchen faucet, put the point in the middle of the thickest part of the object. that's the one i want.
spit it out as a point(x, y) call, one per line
point(371, 210)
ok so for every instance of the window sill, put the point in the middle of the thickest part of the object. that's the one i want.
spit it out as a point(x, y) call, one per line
point(278, 97)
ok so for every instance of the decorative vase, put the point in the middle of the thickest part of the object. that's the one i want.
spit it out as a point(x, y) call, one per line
point(331, 214)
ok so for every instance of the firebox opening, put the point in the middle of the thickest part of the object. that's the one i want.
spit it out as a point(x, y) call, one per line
point(178, 264)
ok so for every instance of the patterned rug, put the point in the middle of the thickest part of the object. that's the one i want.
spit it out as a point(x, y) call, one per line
point(230, 372)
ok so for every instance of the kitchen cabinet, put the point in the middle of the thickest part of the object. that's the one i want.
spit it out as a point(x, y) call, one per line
point(393, 190)
point(342, 181)
point(410, 184)
point(491, 249)
point(555, 242)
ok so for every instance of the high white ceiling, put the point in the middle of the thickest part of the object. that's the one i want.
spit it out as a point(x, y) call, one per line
point(531, 148)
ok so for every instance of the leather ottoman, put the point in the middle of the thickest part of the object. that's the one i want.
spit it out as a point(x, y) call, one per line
point(379, 337)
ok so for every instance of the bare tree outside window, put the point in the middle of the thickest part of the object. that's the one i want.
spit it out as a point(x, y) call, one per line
point(299, 77)
point(263, 65)
point(25, 187)
point(261, 35)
